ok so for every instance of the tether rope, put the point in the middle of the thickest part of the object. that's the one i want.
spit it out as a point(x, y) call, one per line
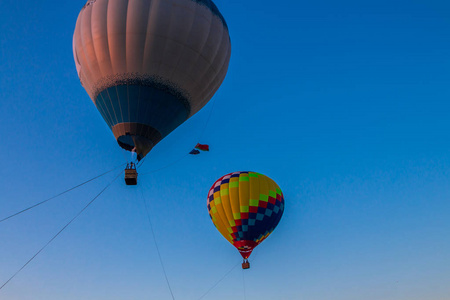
point(59, 232)
point(243, 283)
point(60, 194)
point(255, 253)
point(156, 244)
point(220, 280)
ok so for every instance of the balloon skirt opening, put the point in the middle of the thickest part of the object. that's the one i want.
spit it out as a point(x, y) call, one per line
point(138, 144)
point(245, 248)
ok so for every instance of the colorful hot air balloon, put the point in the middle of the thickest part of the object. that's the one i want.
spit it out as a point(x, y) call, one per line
point(245, 207)
point(149, 65)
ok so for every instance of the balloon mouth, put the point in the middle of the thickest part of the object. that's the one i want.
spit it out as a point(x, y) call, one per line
point(245, 248)
point(136, 137)
point(138, 145)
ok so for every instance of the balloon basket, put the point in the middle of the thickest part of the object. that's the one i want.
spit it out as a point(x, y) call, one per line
point(131, 176)
point(245, 265)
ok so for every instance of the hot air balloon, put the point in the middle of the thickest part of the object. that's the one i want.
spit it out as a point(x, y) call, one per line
point(149, 65)
point(245, 207)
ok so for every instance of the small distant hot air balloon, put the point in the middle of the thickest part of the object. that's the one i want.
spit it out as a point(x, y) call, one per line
point(245, 207)
point(149, 65)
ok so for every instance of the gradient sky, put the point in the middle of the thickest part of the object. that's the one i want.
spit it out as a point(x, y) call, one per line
point(343, 103)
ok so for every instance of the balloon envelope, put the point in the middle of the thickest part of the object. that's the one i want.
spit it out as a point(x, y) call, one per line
point(149, 65)
point(245, 207)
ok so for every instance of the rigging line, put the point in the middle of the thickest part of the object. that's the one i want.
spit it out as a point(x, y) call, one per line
point(60, 194)
point(207, 120)
point(140, 163)
point(166, 166)
point(156, 244)
point(220, 280)
point(59, 232)
point(200, 136)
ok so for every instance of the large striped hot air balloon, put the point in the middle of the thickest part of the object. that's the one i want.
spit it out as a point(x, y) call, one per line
point(245, 207)
point(149, 65)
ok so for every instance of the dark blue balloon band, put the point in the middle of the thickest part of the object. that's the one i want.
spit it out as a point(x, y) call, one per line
point(143, 104)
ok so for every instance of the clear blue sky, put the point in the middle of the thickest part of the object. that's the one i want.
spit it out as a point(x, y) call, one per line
point(344, 104)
